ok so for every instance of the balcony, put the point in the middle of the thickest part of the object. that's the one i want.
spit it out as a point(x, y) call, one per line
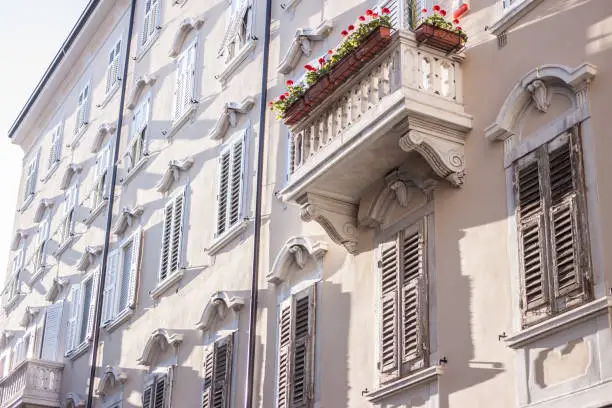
point(403, 108)
point(33, 383)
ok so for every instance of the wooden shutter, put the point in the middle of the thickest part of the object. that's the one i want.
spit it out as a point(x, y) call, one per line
point(236, 182)
point(207, 385)
point(51, 332)
point(73, 318)
point(222, 375)
point(147, 395)
point(303, 345)
point(110, 284)
point(283, 385)
point(388, 265)
point(92, 304)
point(162, 384)
point(568, 249)
point(223, 184)
point(82, 110)
point(531, 233)
point(414, 298)
point(134, 271)
point(177, 232)
point(166, 239)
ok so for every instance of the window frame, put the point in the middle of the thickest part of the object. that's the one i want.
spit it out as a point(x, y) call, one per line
point(101, 177)
point(29, 189)
point(55, 148)
point(179, 116)
point(143, 108)
point(144, 44)
point(82, 112)
point(79, 341)
point(114, 64)
point(71, 197)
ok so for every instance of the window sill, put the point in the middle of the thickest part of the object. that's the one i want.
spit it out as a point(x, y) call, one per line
point(64, 246)
point(231, 66)
point(50, 172)
point(95, 212)
point(78, 136)
point(227, 237)
point(26, 203)
point(10, 304)
point(166, 284)
point(79, 351)
point(178, 123)
point(130, 175)
point(146, 47)
point(109, 95)
point(557, 323)
point(414, 380)
point(512, 15)
point(118, 320)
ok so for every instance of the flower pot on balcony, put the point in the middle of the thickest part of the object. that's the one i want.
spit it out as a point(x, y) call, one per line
point(318, 91)
point(373, 43)
point(296, 111)
point(440, 38)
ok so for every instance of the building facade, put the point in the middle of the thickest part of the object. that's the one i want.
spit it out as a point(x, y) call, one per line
point(431, 234)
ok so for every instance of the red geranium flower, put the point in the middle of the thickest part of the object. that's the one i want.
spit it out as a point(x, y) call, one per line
point(369, 12)
point(361, 18)
point(286, 94)
point(282, 97)
point(424, 11)
point(351, 27)
point(443, 12)
point(270, 103)
point(436, 8)
point(456, 21)
point(385, 10)
point(289, 82)
point(321, 60)
point(330, 52)
point(309, 67)
point(375, 15)
point(458, 28)
point(344, 33)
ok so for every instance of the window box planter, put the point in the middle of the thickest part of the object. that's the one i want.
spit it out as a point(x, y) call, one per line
point(339, 73)
point(439, 38)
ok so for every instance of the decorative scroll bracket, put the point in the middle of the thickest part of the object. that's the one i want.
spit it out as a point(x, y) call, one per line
point(139, 86)
point(157, 343)
point(126, 218)
point(189, 24)
point(301, 45)
point(229, 117)
point(88, 257)
point(43, 204)
point(71, 170)
point(172, 173)
point(56, 288)
point(103, 130)
point(217, 307)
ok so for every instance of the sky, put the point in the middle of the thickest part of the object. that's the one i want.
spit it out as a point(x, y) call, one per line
point(31, 33)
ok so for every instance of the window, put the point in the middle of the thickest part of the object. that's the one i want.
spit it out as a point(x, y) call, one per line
point(403, 327)
point(55, 151)
point(172, 236)
point(40, 256)
point(218, 360)
point(112, 71)
point(17, 264)
point(510, 3)
point(150, 22)
point(238, 31)
point(295, 365)
point(396, 9)
point(53, 323)
point(82, 114)
point(156, 393)
point(138, 133)
point(21, 349)
point(101, 187)
point(30, 183)
point(81, 318)
point(230, 185)
point(67, 224)
point(184, 92)
point(121, 285)
point(552, 229)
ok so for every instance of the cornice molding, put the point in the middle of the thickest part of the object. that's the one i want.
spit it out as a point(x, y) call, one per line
point(55, 289)
point(110, 379)
point(301, 45)
point(229, 117)
point(172, 173)
point(29, 314)
point(21, 234)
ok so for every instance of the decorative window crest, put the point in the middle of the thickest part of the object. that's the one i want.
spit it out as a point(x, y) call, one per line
point(88, 257)
point(158, 342)
point(172, 173)
point(29, 315)
point(56, 288)
point(139, 86)
point(126, 218)
point(301, 45)
point(297, 250)
point(74, 400)
point(189, 24)
point(217, 307)
point(110, 379)
point(70, 171)
point(103, 130)
point(229, 117)
point(20, 234)
point(43, 205)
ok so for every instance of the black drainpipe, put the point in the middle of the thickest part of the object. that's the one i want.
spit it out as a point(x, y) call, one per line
point(109, 215)
point(258, 203)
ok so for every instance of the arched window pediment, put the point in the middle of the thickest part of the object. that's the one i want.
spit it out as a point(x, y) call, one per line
point(139, 86)
point(217, 307)
point(70, 171)
point(43, 204)
point(296, 251)
point(158, 342)
point(110, 379)
point(188, 25)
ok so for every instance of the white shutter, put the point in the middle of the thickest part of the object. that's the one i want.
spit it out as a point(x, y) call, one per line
point(110, 283)
point(395, 11)
point(189, 93)
point(179, 89)
point(82, 109)
point(156, 17)
point(56, 146)
point(134, 271)
point(303, 347)
point(51, 333)
point(19, 352)
point(112, 74)
point(32, 171)
point(147, 395)
point(73, 318)
point(43, 238)
point(92, 304)
point(283, 380)
point(160, 394)
point(102, 170)
point(222, 375)
point(388, 264)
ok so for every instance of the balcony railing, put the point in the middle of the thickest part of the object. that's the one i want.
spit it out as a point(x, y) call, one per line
point(409, 98)
point(33, 382)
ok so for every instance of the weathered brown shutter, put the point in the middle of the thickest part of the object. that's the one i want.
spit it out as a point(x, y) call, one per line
point(222, 375)
point(283, 386)
point(161, 389)
point(568, 251)
point(414, 298)
point(147, 396)
point(302, 350)
point(209, 356)
point(388, 264)
point(531, 235)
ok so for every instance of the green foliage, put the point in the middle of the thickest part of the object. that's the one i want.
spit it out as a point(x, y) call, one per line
point(439, 21)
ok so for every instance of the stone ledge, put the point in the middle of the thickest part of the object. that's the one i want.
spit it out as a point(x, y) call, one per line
point(420, 377)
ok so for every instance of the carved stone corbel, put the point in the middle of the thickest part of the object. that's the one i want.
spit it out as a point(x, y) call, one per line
point(43, 204)
point(229, 117)
point(103, 130)
point(172, 173)
point(301, 45)
point(539, 94)
point(444, 153)
point(71, 170)
point(88, 256)
point(299, 255)
point(126, 218)
point(55, 289)
point(140, 84)
point(189, 24)
point(338, 219)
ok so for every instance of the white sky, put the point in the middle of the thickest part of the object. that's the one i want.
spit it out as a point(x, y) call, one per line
point(31, 33)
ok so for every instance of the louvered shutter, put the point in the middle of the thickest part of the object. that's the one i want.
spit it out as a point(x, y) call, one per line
point(302, 350)
point(236, 183)
point(156, 16)
point(43, 238)
point(388, 264)
point(569, 262)
point(222, 375)
point(112, 74)
point(166, 240)
point(51, 332)
point(147, 395)
point(177, 232)
point(83, 109)
point(283, 385)
point(134, 272)
point(56, 146)
point(92, 304)
point(32, 175)
point(530, 220)
point(207, 384)
point(161, 389)
point(395, 8)
point(223, 184)
point(147, 22)
point(190, 60)
point(73, 317)
point(179, 89)
point(414, 298)
point(110, 284)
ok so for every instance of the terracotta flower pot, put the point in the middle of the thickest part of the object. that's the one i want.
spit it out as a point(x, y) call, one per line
point(373, 43)
point(296, 111)
point(444, 40)
point(318, 91)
